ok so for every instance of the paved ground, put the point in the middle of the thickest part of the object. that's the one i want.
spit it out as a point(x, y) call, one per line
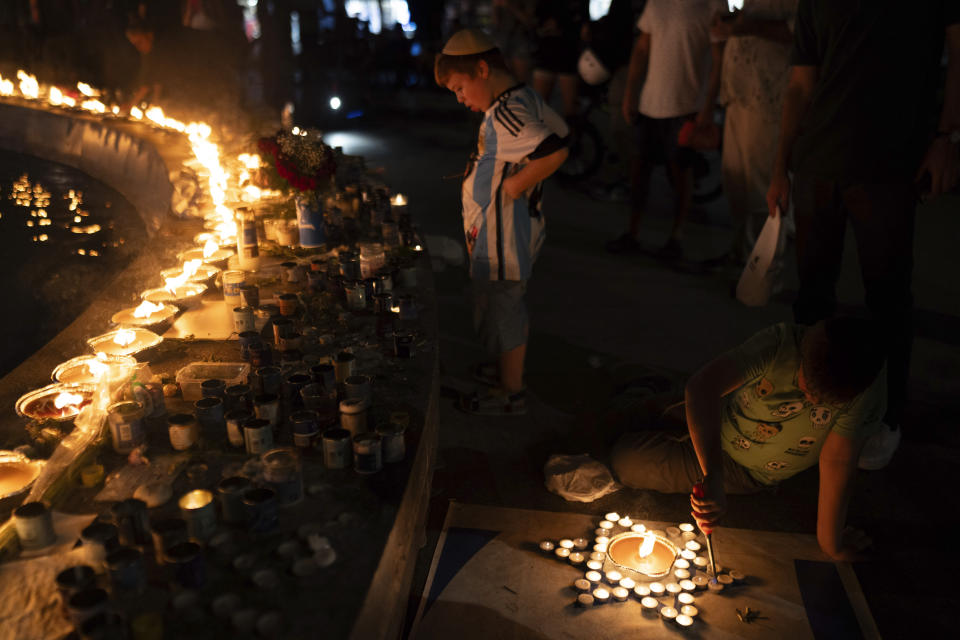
point(599, 322)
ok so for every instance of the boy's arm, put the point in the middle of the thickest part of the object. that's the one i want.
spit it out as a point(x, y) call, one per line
point(635, 75)
point(704, 393)
point(838, 465)
point(535, 171)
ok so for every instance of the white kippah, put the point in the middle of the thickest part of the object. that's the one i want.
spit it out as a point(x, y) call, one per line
point(467, 42)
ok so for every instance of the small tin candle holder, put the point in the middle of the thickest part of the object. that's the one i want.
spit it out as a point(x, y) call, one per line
point(230, 494)
point(262, 509)
point(338, 449)
point(197, 508)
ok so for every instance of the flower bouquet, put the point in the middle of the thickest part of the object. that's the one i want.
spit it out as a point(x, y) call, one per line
point(300, 158)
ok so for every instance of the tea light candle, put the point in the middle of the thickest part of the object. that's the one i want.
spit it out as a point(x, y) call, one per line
point(580, 543)
point(687, 535)
point(546, 546)
point(700, 563)
point(673, 589)
point(692, 545)
point(584, 600)
point(614, 577)
point(657, 589)
point(641, 591)
point(582, 585)
point(613, 516)
point(725, 579)
point(681, 574)
point(620, 594)
point(600, 547)
point(680, 563)
point(673, 533)
point(684, 620)
point(686, 527)
point(593, 576)
point(699, 581)
point(562, 552)
point(688, 555)
point(714, 585)
point(628, 583)
point(566, 543)
point(601, 595)
point(668, 614)
point(737, 576)
point(594, 565)
point(689, 610)
point(625, 522)
point(684, 599)
point(688, 585)
point(576, 558)
point(601, 532)
point(599, 556)
point(650, 605)
point(602, 540)
point(607, 525)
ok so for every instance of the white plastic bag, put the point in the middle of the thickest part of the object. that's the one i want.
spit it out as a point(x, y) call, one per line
point(757, 278)
point(578, 478)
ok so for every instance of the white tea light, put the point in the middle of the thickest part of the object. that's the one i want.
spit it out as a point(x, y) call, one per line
point(628, 583)
point(594, 565)
point(684, 620)
point(614, 577)
point(602, 540)
point(668, 613)
point(562, 552)
point(725, 579)
point(601, 595)
point(593, 576)
point(582, 585)
point(657, 589)
point(714, 586)
point(684, 599)
point(600, 532)
point(689, 610)
point(599, 556)
point(700, 563)
point(613, 516)
point(673, 589)
point(620, 594)
point(600, 547)
point(642, 591)
point(686, 526)
point(576, 558)
point(580, 543)
point(625, 522)
point(737, 576)
point(681, 574)
point(607, 525)
point(566, 543)
point(638, 528)
point(687, 535)
point(650, 605)
point(680, 563)
point(584, 600)
point(688, 585)
point(692, 545)
point(673, 533)
point(688, 555)
point(546, 546)
point(699, 581)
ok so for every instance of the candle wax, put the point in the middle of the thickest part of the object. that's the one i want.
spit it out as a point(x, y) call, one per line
point(684, 621)
point(594, 565)
point(593, 576)
point(613, 516)
point(642, 590)
point(649, 603)
point(686, 526)
point(566, 543)
point(620, 593)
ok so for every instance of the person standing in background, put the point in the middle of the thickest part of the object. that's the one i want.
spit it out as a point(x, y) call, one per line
point(859, 132)
point(559, 29)
point(513, 23)
point(756, 57)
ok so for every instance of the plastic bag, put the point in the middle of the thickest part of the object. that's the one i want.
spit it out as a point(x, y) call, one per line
point(757, 278)
point(578, 478)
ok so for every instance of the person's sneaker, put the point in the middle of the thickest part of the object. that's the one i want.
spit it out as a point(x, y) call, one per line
point(624, 244)
point(879, 449)
point(670, 251)
point(495, 402)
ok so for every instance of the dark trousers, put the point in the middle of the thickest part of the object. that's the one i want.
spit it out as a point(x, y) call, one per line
point(881, 216)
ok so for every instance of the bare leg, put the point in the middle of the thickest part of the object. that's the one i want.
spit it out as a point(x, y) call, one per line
point(569, 90)
point(543, 82)
point(681, 179)
point(511, 368)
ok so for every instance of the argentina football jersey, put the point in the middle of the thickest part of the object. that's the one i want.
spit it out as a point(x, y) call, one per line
point(505, 235)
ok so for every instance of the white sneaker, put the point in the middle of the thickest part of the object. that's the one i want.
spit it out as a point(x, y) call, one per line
point(879, 449)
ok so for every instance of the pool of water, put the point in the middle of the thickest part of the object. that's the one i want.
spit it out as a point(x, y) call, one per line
point(63, 237)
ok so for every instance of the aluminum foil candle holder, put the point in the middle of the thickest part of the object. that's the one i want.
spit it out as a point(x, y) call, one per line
point(17, 473)
point(59, 401)
point(124, 342)
point(89, 369)
point(185, 296)
point(146, 314)
point(640, 556)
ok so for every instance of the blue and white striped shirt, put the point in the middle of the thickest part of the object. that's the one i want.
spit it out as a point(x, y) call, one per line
point(504, 235)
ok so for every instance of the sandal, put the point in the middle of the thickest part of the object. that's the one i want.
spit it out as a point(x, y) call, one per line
point(495, 402)
point(487, 373)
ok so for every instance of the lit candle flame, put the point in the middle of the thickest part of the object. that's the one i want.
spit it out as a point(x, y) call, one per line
point(94, 105)
point(97, 368)
point(398, 200)
point(210, 248)
point(55, 96)
point(86, 89)
point(136, 113)
point(647, 547)
point(6, 87)
point(124, 337)
point(29, 86)
point(147, 309)
point(67, 399)
point(250, 160)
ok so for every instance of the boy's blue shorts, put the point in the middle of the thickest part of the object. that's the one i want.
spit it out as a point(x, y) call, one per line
point(500, 314)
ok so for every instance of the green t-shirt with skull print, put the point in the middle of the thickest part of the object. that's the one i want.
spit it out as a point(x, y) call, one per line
point(769, 427)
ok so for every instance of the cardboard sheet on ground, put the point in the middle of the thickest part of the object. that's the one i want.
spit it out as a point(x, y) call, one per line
point(210, 320)
point(489, 580)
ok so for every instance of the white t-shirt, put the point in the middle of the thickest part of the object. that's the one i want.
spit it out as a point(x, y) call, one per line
point(679, 65)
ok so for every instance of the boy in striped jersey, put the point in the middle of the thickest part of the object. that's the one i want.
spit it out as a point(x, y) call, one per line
point(521, 142)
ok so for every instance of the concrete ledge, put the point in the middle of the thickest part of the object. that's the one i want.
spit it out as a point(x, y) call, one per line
point(107, 151)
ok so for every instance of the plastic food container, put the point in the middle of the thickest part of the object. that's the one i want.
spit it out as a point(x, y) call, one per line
point(190, 376)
